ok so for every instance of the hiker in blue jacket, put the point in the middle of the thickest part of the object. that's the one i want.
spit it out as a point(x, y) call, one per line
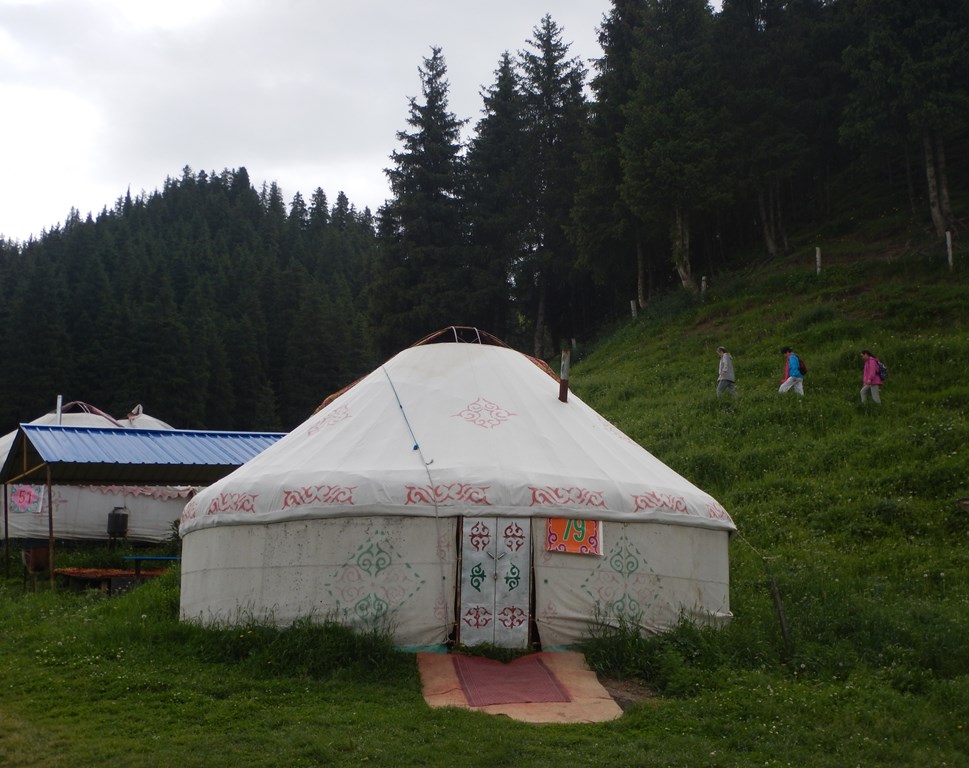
point(793, 377)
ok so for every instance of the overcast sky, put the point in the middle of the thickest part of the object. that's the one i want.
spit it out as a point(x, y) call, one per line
point(101, 96)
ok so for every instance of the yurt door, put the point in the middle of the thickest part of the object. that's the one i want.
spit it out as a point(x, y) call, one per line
point(495, 589)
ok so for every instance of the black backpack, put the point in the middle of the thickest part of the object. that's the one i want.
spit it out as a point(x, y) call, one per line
point(882, 370)
point(802, 365)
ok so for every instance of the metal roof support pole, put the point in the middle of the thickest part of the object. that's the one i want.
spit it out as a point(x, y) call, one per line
point(50, 528)
point(6, 530)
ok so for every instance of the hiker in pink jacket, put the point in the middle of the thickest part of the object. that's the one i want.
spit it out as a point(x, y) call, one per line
point(870, 381)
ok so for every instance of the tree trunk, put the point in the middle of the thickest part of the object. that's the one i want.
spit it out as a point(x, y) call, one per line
point(937, 219)
point(766, 224)
point(775, 189)
point(681, 249)
point(943, 181)
point(539, 338)
point(640, 272)
point(824, 203)
point(909, 182)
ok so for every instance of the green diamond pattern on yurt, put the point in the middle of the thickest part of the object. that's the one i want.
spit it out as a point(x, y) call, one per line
point(375, 582)
point(622, 584)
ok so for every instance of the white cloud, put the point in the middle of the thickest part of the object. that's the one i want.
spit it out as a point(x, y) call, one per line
point(101, 96)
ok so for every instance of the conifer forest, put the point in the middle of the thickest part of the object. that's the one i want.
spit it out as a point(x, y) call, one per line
point(698, 142)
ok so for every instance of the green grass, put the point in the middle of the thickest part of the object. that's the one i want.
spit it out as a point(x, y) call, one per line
point(851, 513)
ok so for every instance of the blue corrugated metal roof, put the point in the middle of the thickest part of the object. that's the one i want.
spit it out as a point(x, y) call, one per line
point(144, 456)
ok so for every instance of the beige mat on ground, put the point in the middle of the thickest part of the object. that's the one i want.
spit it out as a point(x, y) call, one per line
point(588, 701)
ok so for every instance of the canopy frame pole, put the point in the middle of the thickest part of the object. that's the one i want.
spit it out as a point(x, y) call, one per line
point(6, 530)
point(25, 475)
point(50, 528)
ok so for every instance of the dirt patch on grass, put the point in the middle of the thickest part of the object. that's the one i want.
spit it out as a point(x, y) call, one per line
point(627, 692)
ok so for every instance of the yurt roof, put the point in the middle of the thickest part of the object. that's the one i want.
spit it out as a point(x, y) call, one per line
point(80, 414)
point(455, 429)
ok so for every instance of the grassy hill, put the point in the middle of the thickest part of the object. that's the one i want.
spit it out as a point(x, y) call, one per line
point(858, 515)
point(849, 521)
point(854, 509)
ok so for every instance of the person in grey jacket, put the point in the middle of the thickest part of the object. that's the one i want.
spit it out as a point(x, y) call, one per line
point(725, 375)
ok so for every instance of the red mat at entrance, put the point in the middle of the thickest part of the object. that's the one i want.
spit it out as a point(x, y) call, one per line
point(523, 681)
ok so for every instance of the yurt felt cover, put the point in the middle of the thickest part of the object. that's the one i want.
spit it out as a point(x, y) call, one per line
point(455, 430)
point(439, 432)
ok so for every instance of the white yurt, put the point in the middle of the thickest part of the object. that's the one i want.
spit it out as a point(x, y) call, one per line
point(454, 495)
point(142, 513)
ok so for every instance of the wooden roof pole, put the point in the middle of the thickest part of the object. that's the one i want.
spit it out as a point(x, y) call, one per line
point(564, 378)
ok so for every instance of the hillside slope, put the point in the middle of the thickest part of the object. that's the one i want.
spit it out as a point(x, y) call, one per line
point(859, 513)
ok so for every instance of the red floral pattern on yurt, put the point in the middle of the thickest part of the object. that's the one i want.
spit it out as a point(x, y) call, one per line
point(318, 494)
point(442, 494)
point(484, 413)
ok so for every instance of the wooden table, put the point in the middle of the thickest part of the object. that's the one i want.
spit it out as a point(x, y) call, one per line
point(108, 580)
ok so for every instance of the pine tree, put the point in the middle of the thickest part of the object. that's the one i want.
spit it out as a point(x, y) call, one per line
point(670, 145)
point(611, 240)
point(555, 112)
point(319, 209)
point(912, 73)
point(419, 282)
point(497, 163)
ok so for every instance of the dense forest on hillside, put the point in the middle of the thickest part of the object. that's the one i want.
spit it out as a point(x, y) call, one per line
point(205, 302)
point(696, 139)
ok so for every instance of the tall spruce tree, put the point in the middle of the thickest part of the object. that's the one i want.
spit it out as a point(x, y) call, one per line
point(319, 209)
point(497, 163)
point(420, 278)
point(547, 282)
point(670, 144)
point(610, 238)
point(912, 71)
point(782, 99)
